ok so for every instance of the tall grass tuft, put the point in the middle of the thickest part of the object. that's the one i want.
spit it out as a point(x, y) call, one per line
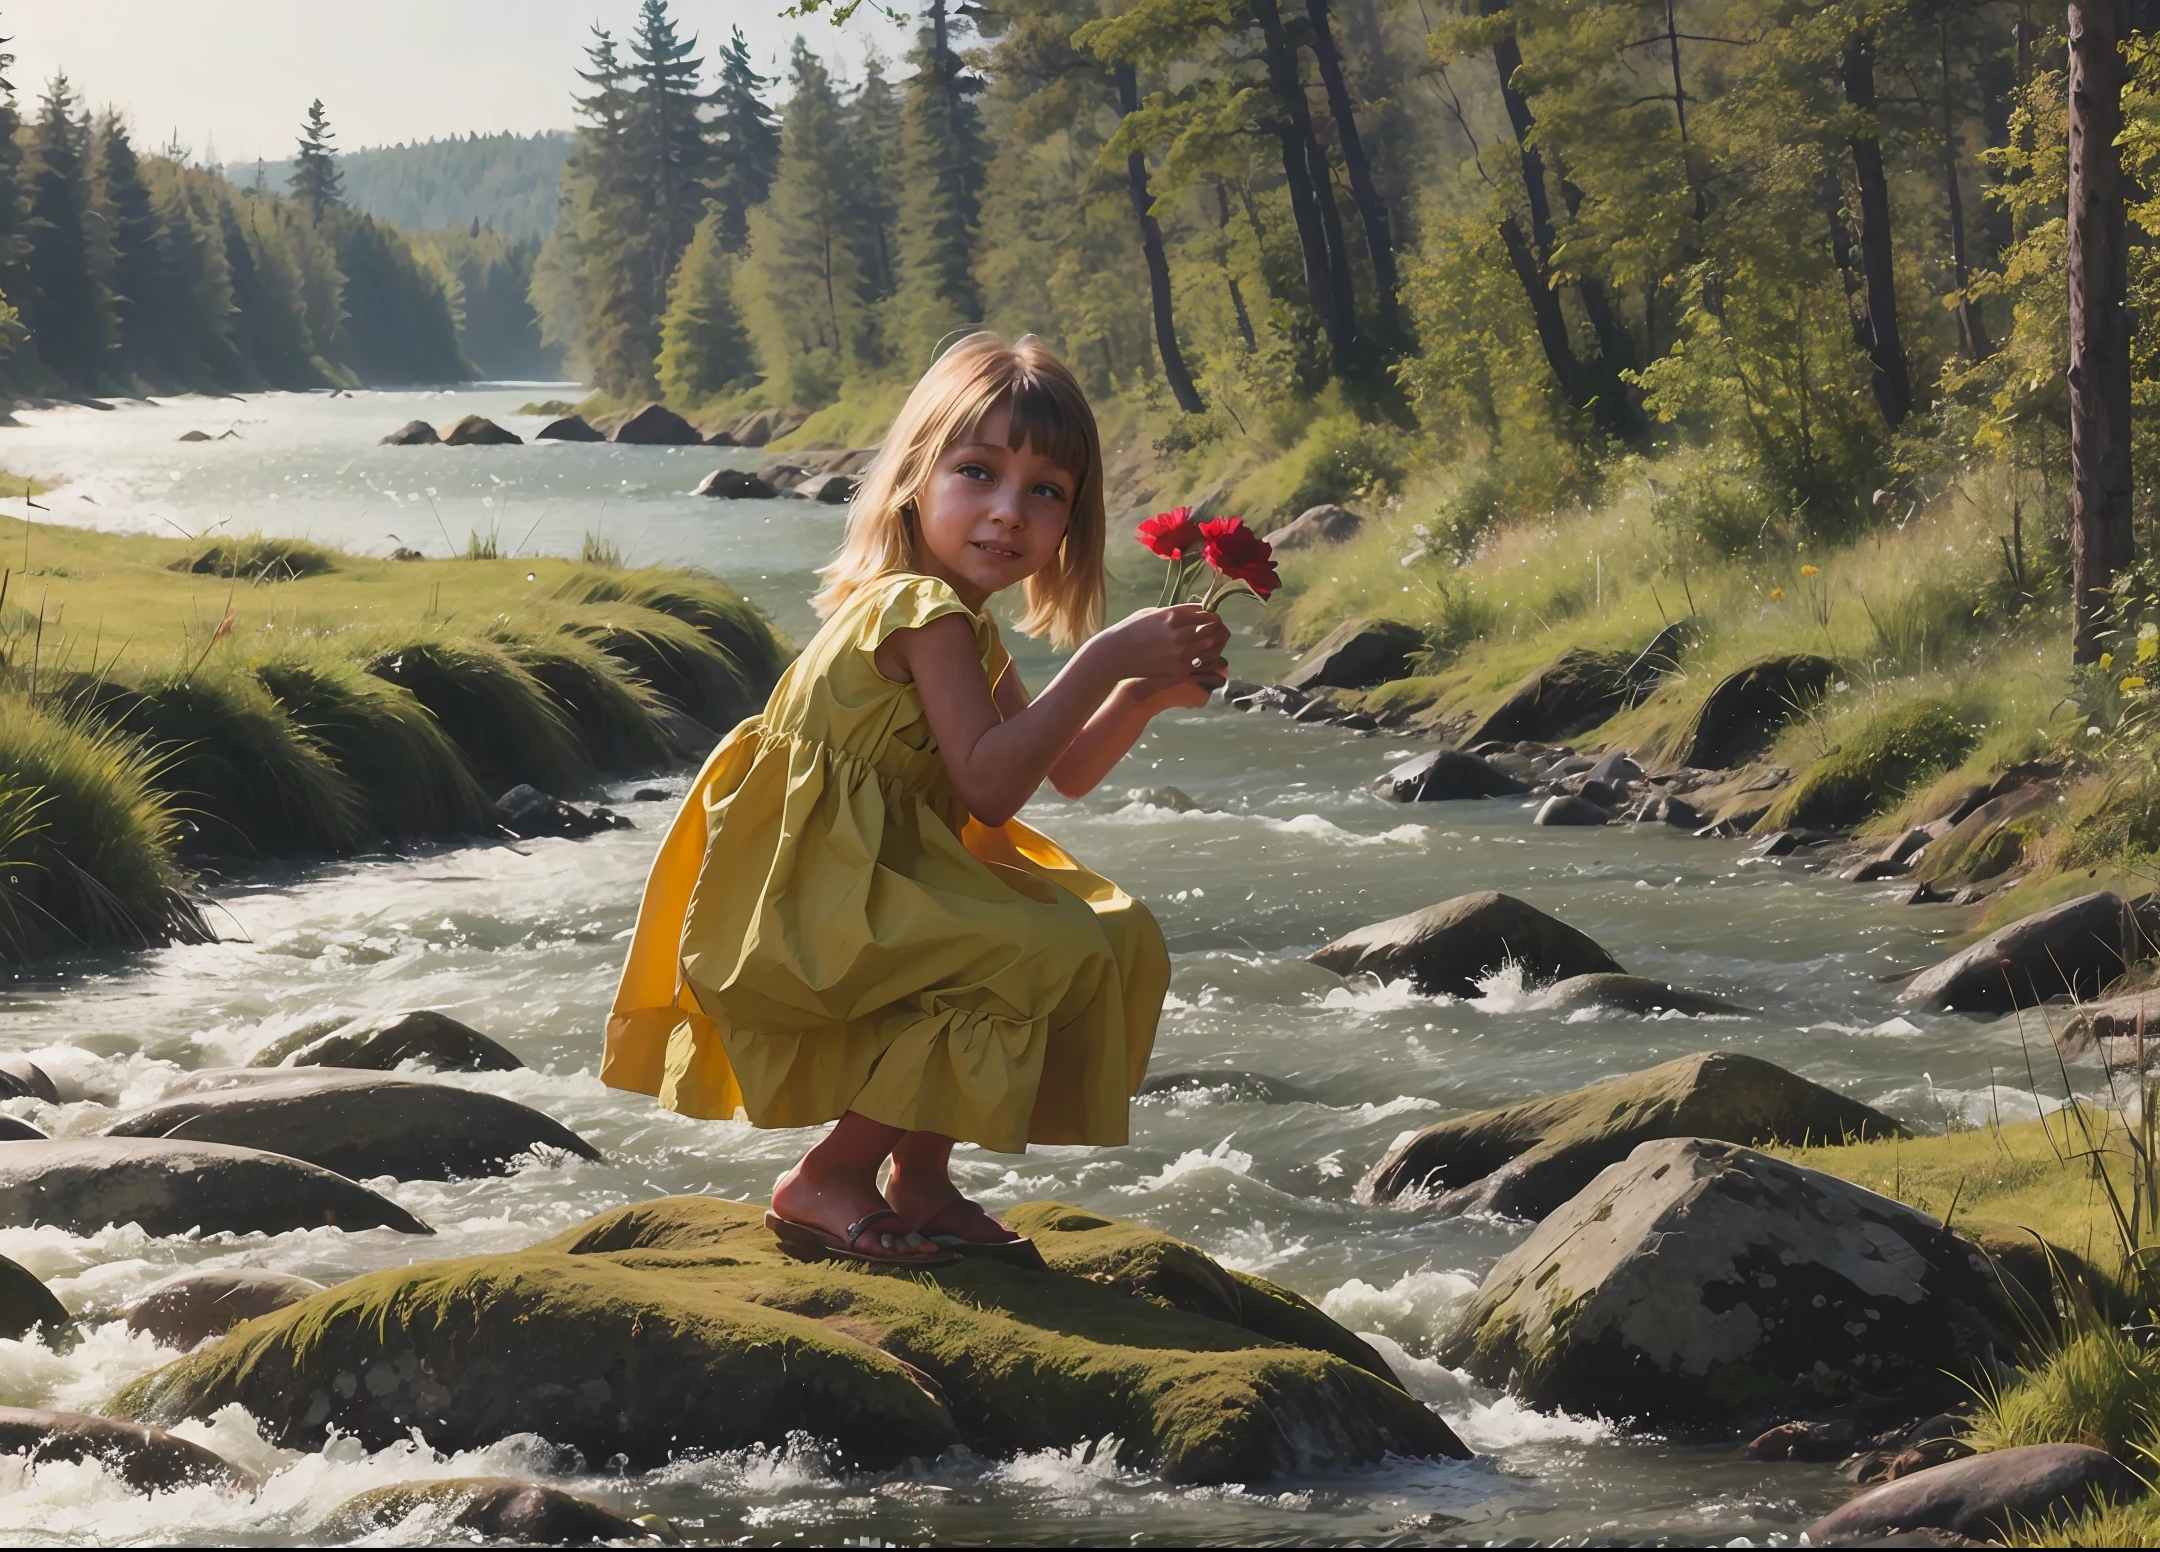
point(97, 870)
point(596, 551)
point(234, 761)
point(19, 825)
point(615, 712)
point(709, 606)
point(256, 558)
point(413, 779)
point(674, 659)
point(492, 708)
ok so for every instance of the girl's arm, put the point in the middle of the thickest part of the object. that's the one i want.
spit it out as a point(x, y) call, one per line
point(997, 761)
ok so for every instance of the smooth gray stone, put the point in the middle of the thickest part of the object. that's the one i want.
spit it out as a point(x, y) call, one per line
point(191, 1309)
point(150, 1460)
point(1986, 1496)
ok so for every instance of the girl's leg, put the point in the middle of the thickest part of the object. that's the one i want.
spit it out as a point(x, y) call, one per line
point(920, 1189)
point(835, 1185)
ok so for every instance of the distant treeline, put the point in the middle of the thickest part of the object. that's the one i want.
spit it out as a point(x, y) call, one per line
point(504, 181)
point(126, 271)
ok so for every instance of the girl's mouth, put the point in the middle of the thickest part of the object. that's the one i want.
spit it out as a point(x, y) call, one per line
point(992, 549)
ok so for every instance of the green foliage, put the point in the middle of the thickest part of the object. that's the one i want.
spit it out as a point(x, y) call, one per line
point(97, 871)
point(412, 778)
point(1875, 765)
point(2101, 1387)
point(704, 350)
point(257, 558)
point(19, 824)
point(503, 183)
point(316, 182)
point(615, 713)
point(748, 139)
point(706, 604)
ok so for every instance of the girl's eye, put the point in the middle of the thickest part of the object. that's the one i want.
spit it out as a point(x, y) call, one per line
point(1049, 491)
point(973, 471)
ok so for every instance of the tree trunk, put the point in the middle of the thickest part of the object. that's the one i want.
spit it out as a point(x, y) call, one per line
point(1364, 193)
point(1158, 266)
point(1972, 328)
point(1552, 329)
point(1886, 351)
point(1293, 130)
point(2101, 542)
point(1237, 294)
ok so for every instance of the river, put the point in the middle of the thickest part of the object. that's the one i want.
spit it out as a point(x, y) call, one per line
point(1282, 851)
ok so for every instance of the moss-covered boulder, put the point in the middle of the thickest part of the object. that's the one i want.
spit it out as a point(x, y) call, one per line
point(529, 1513)
point(1992, 836)
point(1874, 767)
point(1448, 948)
point(1523, 1161)
point(676, 1326)
point(1573, 693)
point(1356, 655)
point(1743, 712)
point(1697, 1283)
point(385, 1041)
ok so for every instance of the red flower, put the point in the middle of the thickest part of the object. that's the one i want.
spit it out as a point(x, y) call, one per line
point(1240, 554)
point(1173, 534)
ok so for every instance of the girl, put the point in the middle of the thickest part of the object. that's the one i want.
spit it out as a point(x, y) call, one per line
point(845, 921)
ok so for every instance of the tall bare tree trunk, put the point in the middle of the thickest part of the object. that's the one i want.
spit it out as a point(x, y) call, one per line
point(1158, 265)
point(1364, 193)
point(2101, 543)
point(1293, 130)
point(1972, 328)
point(1890, 378)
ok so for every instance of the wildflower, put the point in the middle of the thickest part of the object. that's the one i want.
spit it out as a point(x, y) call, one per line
point(1240, 554)
point(2132, 682)
point(1809, 571)
point(1173, 534)
point(1776, 593)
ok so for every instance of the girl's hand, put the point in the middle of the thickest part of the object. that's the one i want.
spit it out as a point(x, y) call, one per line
point(1164, 644)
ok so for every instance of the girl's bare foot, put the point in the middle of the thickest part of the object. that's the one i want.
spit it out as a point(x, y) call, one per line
point(834, 1191)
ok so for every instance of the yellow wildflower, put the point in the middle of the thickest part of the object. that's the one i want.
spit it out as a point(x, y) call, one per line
point(2134, 682)
point(1808, 571)
point(2107, 661)
point(1776, 593)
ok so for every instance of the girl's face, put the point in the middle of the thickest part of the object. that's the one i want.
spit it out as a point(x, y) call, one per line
point(991, 515)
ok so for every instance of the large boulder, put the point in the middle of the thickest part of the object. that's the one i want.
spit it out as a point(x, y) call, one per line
point(569, 428)
point(384, 1042)
point(1566, 809)
point(1988, 1498)
point(1325, 524)
point(21, 1078)
point(655, 426)
point(150, 1460)
point(1523, 1161)
point(530, 1514)
point(190, 1310)
point(1575, 691)
point(1700, 1283)
point(27, 1305)
point(1634, 994)
point(479, 431)
point(1447, 775)
point(356, 1123)
point(2076, 947)
point(168, 1186)
point(677, 1327)
point(761, 426)
point(1990, 838)
point(734, 485)
point(1449, 947)
point(12, 1130)
point(1744, 711)
point(2116, 1026)
point(414, 433)
point(1356, 655)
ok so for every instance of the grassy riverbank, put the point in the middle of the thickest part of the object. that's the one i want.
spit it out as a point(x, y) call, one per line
point(164, 702)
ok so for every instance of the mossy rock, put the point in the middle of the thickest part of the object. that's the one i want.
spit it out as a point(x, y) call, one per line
point(675, 1326)
point(1889, 755)
point(1572, 694)
point(1743, 712)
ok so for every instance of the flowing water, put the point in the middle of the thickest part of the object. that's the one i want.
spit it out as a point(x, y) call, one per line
point(1282, 851)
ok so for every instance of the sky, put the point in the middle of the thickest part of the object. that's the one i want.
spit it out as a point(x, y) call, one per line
point(239, 74)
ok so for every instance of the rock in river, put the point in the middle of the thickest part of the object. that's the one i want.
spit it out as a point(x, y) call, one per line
point(150, 1460)
point(479, 431)
point(1445, 775)
point(386, 1041)
point(734, 485)
point(530, 1514)
point(83, 1184)
point(675, 1327)
point(2078, 947)
point(1523, 1161)
point(21, 1078)
point(1700, 1283)
point(655, 426)
point(414, 433)
point(1563, 809)
point(569, 428)
point(1356, 655)
point(359, 1124)
point(1449, 947)
point(1986, 1497)
point(191, 1309)
point(27, 1305)
point(1633, 994)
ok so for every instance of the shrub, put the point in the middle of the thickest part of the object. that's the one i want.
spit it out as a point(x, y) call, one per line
point(412, 778)
point(1873, 767)
point(258, 559)
point(616, 713)
point(752, 654)
point(94, 868)
point(492, 708)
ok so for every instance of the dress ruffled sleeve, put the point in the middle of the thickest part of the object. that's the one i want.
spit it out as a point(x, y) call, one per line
point(912, 603)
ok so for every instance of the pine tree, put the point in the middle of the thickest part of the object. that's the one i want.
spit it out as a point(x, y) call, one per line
point(68, 313)
point(746, 138)
point(316, 181)
point(943, 160)
point(874, 159)
point(704, 349)
point(136, 264)
point(14, 215)
point(580, 286)
point(668, 142)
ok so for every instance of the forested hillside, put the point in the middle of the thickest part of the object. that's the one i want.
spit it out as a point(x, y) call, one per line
point(502, 181)
point(130, 270)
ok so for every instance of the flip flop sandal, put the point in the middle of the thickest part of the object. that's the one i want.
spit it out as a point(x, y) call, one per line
point(811, 1243)
point(1018, 1250)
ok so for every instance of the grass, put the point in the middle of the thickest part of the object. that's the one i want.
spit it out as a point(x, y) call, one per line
point(615, 712)
point(493, 708)
point(1887, 754)
point(256, 559)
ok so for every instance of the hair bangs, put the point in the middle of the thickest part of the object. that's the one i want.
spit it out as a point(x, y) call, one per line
point(1048, 416)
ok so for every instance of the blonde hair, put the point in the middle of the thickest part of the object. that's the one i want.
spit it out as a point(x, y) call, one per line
point(1049, 412)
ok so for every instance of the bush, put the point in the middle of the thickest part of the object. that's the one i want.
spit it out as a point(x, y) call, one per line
point(492, 708)
point(92, 868)
point(1891, 752)
point(412, 778)
point(615, 713)
point(1343, 459)
point(751, 655)
point(257, 559)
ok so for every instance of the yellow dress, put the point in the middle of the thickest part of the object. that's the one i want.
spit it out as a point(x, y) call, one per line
point(826, 928)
